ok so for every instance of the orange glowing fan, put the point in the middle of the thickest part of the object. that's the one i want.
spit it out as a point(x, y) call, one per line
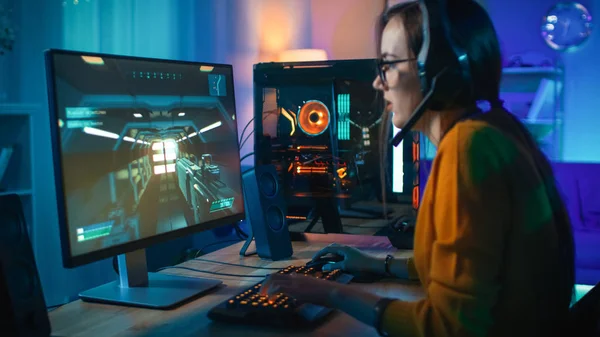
point(313, 118)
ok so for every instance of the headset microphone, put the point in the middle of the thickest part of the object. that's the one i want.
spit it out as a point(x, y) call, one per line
point(443, 67)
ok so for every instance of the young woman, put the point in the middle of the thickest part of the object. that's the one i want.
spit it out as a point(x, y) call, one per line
point(493, 243)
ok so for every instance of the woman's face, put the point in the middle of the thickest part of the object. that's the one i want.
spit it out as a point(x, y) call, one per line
point(401, 89)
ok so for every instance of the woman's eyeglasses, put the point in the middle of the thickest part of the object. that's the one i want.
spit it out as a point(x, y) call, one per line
point(383, 66)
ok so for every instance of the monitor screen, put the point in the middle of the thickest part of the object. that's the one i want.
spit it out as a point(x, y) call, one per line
point(399, 165)
point(143, 149)
point(404, 163)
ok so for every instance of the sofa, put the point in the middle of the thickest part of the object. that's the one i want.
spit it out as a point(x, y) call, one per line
point(580, 185)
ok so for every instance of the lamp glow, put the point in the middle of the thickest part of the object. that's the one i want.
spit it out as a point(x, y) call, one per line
point(303, 55)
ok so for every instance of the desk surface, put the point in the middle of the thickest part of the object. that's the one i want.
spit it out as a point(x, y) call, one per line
point(88, 319)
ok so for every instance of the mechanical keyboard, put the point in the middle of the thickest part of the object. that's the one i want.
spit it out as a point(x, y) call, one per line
point(248, 307)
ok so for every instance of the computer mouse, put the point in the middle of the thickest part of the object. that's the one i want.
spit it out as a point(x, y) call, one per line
point(401, 232)
point(403, 224)
point(319, 262)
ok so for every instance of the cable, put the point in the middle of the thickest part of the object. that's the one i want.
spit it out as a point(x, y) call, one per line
point(214, 244)
point(246, 127)
point(236, 264)
point(245, 140)
point(246, 156)
point(266, 115)
point(211, 272)
point(240, 233)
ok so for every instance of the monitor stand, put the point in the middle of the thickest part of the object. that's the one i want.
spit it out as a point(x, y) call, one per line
point(138, 288)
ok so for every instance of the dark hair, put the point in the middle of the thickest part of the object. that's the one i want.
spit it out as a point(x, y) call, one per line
point(473, 30)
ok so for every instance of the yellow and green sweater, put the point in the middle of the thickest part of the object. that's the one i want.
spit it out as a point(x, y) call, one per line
point(486, 244)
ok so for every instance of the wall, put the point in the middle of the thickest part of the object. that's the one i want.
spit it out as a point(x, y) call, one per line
point(521, 34)
point(345, 28)
point(5, 60)
point(264, 29)
point(581, 98)
point(151, 28)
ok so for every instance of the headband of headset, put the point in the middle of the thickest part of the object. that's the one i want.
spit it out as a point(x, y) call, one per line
point(441, 59)
point(443, 66)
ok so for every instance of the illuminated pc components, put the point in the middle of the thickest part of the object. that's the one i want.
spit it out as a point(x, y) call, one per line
point(312, 148)
point(311, 169)
point(416, 156)
point(321, 168)
point(313, 118)
point(320, 123)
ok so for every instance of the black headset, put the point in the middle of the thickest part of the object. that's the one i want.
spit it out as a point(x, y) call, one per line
point(443, 67)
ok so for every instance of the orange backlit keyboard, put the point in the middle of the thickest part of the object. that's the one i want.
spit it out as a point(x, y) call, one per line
point(248, 307)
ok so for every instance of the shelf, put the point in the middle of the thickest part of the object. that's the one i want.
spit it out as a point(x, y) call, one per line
point(532, 71)
point(20, 193)
point(15, 132)
point(539, 129)
point(535, 95)
point(16, 123)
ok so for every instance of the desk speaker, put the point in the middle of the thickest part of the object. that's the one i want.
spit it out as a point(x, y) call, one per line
point(266, 210)
point(22, 305)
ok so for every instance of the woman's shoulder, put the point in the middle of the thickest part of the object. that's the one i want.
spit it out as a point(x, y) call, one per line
point(478, 140)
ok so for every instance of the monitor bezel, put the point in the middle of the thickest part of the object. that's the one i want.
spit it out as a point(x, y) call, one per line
point(72, 261)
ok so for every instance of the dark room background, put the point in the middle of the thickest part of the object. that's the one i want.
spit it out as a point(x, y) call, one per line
point(240, 32)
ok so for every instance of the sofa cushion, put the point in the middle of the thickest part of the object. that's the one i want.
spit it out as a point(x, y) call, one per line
point(589, 193)
point(586, 246)
point(580, 187)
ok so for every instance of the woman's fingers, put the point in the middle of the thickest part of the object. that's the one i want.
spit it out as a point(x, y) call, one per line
point(333, 248)
point(274, 284)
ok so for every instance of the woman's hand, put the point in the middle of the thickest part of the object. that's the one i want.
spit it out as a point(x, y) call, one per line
point(305, 289)
point(355, 261)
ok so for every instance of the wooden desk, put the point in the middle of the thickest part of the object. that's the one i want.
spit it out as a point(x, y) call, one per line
point(87, 319)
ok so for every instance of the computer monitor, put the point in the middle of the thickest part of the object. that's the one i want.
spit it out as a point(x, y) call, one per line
point(145, 151)
point(404, 162)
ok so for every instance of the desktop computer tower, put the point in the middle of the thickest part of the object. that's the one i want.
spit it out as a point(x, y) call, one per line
point(319, 123)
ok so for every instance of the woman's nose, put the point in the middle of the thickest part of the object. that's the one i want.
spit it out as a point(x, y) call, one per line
point(378, 84)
